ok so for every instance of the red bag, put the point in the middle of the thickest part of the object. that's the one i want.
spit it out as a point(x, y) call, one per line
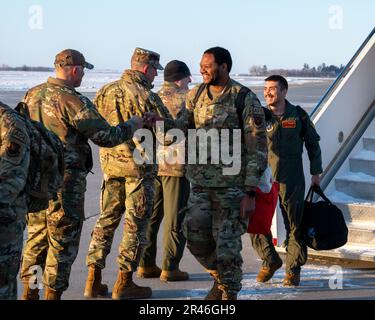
point(265, 205)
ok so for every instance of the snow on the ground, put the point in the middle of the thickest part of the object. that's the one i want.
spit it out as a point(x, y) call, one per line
point(94, 80)
point(313, 278)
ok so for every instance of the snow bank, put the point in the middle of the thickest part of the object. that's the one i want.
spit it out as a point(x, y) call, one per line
point(94, 80)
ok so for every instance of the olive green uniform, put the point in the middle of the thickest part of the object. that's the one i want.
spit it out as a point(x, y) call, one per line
point(171, 192)
point(286, 136)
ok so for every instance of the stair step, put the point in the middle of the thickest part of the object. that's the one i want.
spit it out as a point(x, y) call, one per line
point(350, 251)
point(362, 233)
point(363, 162)
point(369, 143)
point(358, 185)
point(353, 209)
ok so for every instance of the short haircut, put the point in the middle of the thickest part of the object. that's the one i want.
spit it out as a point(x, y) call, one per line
point(221, 56)
point(63, 68)
point(135, 65)
point(280, 80)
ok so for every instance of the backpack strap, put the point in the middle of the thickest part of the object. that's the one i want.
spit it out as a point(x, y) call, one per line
point(198, 94)
point(304, 119)
point(23, 110)
point(240, 103)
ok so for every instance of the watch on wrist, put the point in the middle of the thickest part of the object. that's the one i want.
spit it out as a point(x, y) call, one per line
point(251, 193)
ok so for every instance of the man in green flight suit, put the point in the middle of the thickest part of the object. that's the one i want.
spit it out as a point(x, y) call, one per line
point(287, 130)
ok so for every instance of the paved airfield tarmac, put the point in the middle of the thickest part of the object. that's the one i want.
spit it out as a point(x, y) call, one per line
point(318, 281)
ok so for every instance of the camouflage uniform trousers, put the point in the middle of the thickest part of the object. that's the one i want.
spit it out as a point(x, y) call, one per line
point(54, 234)
point(213, 230)
point(136, 195)
point(11, 241)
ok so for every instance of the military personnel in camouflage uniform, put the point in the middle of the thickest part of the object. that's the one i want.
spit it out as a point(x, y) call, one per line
point(219, 204)
point(126, 184)
point(287, 131)
point(171, 187)
point(14, 164)
point(54, 234)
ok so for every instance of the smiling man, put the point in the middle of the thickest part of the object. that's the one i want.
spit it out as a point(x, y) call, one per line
point(287, 130)
point(219, 205)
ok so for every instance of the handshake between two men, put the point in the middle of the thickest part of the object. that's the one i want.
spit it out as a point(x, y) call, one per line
point(148, 120)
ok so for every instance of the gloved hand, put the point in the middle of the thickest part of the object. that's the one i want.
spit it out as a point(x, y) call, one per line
point(138, 121)
point(150, 119)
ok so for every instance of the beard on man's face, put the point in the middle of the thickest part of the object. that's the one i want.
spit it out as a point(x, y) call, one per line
point(215, 80)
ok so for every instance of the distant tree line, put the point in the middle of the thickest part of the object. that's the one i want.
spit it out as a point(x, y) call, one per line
point(322, 70)
point(5, 67)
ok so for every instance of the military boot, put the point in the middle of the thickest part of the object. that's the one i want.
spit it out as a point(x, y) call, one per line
point(266, 273)
point(28, 293)
point(149, 272)
point(94, 286)
point(215, 293)
point(175, 275)
point(125, 288)
point(291, 280)
point(50, 294)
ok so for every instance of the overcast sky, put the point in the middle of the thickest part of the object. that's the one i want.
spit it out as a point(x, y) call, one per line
point(279, 34)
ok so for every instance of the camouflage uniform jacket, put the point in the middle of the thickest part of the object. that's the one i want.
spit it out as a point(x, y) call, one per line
point(74, 119)
point(220, 113)
point(117, 102)
point(14, 164)
point(174, 99)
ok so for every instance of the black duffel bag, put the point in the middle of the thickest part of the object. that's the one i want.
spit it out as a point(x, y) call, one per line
point(323, 224)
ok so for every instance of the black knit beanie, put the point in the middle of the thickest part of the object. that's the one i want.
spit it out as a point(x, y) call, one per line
point(176, 70)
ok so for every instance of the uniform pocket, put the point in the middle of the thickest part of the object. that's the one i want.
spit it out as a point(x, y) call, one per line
point(220, 118)
point(136, 202)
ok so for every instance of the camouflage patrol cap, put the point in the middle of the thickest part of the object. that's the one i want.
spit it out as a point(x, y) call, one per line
point(70, 57)
point(147, 56)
